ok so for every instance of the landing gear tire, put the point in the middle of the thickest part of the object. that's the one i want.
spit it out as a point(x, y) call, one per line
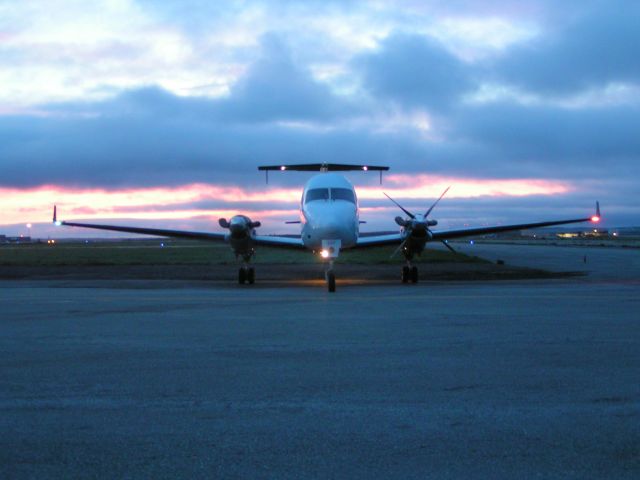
point(242, 276)
point(405, 274)
point(251, 276)
point(414, 274)
point(331, 282)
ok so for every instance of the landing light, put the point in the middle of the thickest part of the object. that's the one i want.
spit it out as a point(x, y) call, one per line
point(57, 223)
point(324, 253)
point(595, 218)
point(365, 168)
point(283, 167)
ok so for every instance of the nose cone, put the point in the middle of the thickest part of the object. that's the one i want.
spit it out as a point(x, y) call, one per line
point(331, 222)
point(238, 225)
point(332, 229)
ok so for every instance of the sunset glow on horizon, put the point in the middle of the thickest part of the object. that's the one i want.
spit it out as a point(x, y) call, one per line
point(185, 201)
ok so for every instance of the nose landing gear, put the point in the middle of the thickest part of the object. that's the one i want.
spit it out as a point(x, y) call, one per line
point(330, 278)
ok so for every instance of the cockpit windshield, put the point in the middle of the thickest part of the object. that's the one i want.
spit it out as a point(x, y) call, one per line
point(343, 194)
point(317, 194)
point(336, 194)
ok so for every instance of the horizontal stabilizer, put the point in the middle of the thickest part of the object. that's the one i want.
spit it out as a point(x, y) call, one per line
point(323, 167)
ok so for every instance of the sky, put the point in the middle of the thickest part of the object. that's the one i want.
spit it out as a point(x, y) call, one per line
point(157, 113)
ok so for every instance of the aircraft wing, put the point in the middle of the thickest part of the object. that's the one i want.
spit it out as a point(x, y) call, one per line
point(273, 241)
point(374, 240)
point(279, 241)
point(470, 232)
point(160, 232)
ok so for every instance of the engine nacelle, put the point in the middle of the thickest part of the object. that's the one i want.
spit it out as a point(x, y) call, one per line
point(239, 225)
point(240, 234)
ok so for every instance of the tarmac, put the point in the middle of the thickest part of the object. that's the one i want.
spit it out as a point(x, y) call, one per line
point(484, 379)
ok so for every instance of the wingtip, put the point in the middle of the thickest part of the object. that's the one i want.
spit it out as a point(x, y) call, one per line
point(596, 218)
point(55, 216)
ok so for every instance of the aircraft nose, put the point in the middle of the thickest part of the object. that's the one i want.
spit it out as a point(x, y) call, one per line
point(237, 225)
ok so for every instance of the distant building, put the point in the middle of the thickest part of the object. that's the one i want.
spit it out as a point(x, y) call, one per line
point(592, 233)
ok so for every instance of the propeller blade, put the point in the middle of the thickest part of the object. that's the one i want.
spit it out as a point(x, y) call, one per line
point(436, 202)
point(448, 246)
point(411, 215)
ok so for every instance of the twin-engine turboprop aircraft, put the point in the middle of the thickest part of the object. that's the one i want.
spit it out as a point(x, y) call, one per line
point(329, 223)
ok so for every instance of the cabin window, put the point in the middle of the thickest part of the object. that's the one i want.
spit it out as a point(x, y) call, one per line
point(343, 194)
point(317, 194)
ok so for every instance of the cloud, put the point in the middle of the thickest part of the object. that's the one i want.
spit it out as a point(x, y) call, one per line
point(416, 71)
point(599, 47)
point(576, 142)
point(275, 88)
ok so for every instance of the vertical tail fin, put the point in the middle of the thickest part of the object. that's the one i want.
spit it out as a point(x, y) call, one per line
point(55, 214)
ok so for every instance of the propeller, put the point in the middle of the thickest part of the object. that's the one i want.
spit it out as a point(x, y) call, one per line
point(417, 223)
point(436, 202)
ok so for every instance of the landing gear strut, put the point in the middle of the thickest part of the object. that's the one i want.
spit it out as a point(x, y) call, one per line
point(246, 274)
point(330, 277)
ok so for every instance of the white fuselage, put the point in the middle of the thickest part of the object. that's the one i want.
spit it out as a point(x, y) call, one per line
point(329, 211)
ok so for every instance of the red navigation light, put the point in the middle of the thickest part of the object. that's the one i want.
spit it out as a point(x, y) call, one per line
point(595, 218)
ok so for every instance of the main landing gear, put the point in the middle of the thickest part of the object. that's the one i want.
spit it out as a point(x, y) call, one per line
point(409, 274)
point(246, 274)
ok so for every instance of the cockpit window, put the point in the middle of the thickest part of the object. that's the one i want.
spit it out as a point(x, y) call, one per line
point(343, 194)
point(317, 194)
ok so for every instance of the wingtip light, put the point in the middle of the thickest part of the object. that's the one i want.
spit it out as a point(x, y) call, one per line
point(595, 218)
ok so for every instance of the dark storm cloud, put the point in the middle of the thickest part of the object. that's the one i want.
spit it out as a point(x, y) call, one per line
point(416, 71)
point(600, 46)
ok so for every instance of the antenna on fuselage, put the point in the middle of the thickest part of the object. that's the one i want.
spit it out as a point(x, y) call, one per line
point(323, 167)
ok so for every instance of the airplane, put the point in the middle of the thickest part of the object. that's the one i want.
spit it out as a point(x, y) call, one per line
point(329, 219)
